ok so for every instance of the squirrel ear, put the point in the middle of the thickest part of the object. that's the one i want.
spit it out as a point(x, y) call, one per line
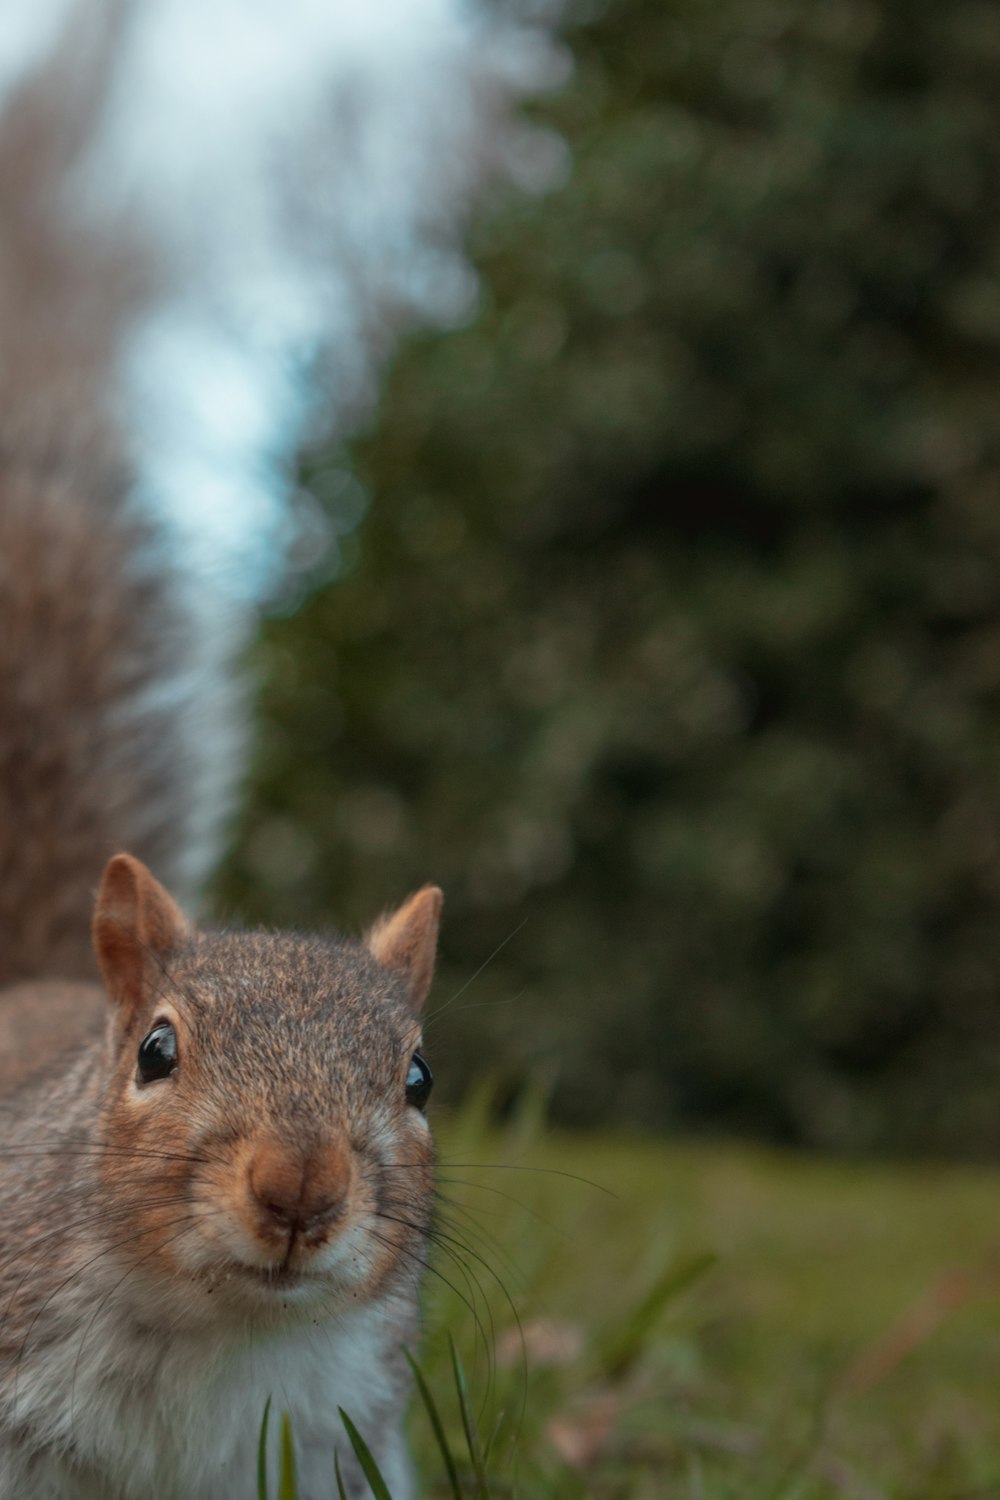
point(134, 919)
point(405, 941)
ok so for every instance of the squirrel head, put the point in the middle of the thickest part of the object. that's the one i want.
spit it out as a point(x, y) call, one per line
point(263, 1120)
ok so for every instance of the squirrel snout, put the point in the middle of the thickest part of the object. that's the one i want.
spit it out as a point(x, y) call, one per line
point(299, 1192)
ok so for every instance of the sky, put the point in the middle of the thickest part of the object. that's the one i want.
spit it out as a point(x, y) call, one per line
point(303, 174)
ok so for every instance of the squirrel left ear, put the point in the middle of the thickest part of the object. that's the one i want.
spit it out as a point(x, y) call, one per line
point(135, 920)
point(405, 941)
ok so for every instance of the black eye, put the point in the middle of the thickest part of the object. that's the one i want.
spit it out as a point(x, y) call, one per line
point(157, 1053)
point(419, 1082)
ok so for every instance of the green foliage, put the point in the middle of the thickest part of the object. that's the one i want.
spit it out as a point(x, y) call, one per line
point(628, 1342)
point(437, 1427)
point(341, 1491)
point(262, 1452)
point(287, 1473)
point(369, 1467)
point(482, 1489)
point(836, 1349)
point(671, 643)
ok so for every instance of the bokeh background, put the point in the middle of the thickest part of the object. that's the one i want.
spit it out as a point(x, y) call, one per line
point(662, 621)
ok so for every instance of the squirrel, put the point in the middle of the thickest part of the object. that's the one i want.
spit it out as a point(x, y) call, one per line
point(216, 1171)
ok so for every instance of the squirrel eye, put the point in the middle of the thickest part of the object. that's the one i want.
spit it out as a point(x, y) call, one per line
point(157, 1053)
point(419, 1082)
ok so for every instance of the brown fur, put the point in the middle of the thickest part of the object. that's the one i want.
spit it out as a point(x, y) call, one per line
point(406, 941)
point(286, 1046)
point(75, 776)
point(104, 743)
point(40, 1021)
point(284, 1129)
point(136, 926)
point(173, 1209)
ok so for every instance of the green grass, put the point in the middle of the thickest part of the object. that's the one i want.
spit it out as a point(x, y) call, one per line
point(735, 1323)
point(712, 1323)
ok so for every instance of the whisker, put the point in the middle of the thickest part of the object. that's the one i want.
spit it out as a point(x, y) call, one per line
point(191, 1222)
point(104, 1215)
point(509, 1166)
point(482, 1004)
point(499, 1166)
point(446, 1242)
point(431, 1270)
point(484, 1187)
point(60, 1286)
point(73, 1148)
point(489, 1241)
point(471, 980)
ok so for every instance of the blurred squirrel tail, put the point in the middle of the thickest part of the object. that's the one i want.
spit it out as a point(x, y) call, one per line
point(117, 720)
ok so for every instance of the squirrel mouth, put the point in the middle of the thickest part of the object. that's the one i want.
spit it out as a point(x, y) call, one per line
point(278, 1278)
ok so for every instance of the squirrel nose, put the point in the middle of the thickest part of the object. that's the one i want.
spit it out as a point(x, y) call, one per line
point(294, 1191)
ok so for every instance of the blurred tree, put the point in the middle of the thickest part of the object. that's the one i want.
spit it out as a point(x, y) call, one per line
point(671, 643)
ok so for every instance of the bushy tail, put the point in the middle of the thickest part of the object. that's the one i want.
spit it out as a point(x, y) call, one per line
point(116, 724)
point(226, 255)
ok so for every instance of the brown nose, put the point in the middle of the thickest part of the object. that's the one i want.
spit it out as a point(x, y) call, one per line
point(299, 1191)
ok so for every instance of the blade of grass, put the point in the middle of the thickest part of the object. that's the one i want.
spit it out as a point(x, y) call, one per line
point(262, 1453)
point(469, 1423)
point(625, 1345)
point(287, 1478)
point(369, 1467)
point(341, 1492)
point(491, 1440)
point(795, 1472)
point(430, 1405)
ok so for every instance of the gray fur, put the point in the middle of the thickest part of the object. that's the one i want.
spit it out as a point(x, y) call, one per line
point(119, 724)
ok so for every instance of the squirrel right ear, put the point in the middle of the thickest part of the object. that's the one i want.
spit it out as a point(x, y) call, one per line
point(406, 942)
point(135, 919)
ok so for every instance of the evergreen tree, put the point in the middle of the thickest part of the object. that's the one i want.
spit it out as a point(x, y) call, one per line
point(670, 644)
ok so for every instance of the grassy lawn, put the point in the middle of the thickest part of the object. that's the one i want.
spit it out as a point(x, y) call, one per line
point(711, 1322)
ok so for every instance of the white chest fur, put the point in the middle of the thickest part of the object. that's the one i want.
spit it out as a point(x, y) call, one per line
point(135, 1414)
